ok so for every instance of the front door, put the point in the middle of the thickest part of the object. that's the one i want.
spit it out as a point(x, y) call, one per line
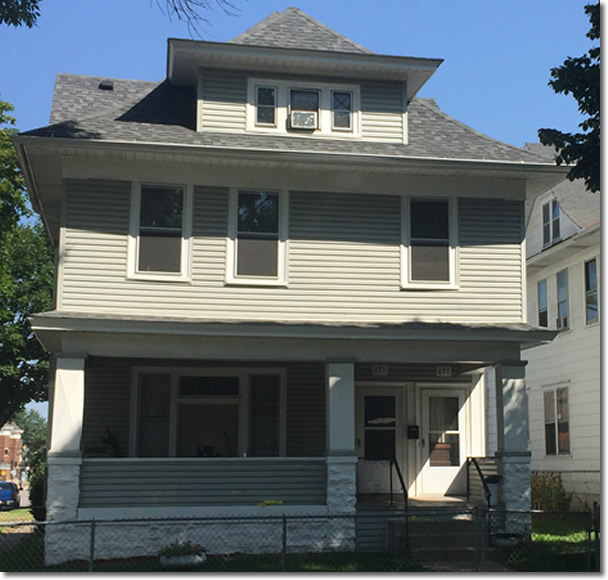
point(379, 414)
point(443, 443)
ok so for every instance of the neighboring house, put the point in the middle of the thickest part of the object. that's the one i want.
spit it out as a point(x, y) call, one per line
point(10, 447)
point(277, 270)
point(563, 377)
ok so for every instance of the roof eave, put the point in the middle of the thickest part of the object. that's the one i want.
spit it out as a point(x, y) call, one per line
point(185, 57)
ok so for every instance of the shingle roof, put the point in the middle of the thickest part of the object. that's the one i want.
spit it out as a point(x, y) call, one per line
point(293, 28)
point(575, 200)
point(141, 111)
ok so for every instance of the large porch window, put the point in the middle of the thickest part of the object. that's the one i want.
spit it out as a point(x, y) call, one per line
point(208, 413)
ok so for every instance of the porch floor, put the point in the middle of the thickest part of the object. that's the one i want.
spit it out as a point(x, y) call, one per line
point(374, 501)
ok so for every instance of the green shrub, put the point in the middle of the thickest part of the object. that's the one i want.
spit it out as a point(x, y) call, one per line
point(548, 492)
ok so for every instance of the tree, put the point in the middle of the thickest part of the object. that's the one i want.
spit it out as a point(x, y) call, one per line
point(26, 12)
point(33, 440)
point(19, 12)
point(581, 77)
point(26, 278)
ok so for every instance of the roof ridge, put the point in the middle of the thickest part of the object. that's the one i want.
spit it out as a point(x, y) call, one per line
point(451, 119)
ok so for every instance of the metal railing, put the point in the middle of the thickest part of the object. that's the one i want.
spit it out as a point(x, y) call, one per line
point(486, 488)
point(394, 464)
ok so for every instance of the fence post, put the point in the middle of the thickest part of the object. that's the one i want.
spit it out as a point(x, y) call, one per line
point(284, 546)
point(92, 546)
point(596, 539)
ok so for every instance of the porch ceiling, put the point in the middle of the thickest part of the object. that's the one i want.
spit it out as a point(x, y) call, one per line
point(414, 341)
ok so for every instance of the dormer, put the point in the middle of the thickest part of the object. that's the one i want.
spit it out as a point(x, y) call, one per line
point(291, 75)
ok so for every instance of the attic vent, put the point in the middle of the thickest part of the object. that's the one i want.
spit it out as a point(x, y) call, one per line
point(106, 85)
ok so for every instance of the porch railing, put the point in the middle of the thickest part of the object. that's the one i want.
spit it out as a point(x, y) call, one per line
point(490, 475)
point(394, 464)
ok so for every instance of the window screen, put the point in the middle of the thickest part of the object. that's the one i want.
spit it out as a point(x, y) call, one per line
point(429, 241)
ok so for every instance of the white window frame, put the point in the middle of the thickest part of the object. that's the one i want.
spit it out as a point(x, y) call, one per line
point(553, 239)
point(453, 253)
point(255, 96)
point(554, 388)
point(333, 111)
point(185, 273)
point(597, 289)
point(538, 308)
point(558, 322)
point(231, 243)
point(325, 120)
point(242, 400)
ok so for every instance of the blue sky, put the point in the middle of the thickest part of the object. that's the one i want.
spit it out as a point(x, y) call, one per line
point(497, 55)
point(494, 78)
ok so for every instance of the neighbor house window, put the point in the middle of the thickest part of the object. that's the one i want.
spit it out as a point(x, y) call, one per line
point(266, 105)
point(159, 244)
point(342, 108)
point(551, 223)
point(562, 299)
point(429, 243)
point(543, 316)
point(557, 421)
point(591, 293)
point(257, 237)
point(209, 413)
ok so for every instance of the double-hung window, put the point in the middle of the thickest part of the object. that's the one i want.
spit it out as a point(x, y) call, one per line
point(342, 110)
point(557, 421)
point(159, 241)
point(428, 252)
point(551, 223)
point(543, 315)
point(256, 248)
point(562, 299)
point(591, 293)
point(266, 106)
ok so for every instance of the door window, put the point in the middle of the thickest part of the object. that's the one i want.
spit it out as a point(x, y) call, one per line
point(444, 435)
point(380, 424)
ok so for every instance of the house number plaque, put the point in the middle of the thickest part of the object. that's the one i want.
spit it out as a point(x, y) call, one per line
point(444, 371)
point(380, 370)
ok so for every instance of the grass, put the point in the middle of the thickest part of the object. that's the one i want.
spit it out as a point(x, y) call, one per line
point(18, 515)
point(555, 545)
point(27, 556)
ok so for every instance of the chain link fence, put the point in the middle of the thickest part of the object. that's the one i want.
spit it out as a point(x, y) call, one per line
point(459, 540)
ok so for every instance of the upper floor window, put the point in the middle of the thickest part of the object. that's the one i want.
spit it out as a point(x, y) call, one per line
point(557, 421)
point(551, 223)
point(429, 243)
point(591, 293)
point(297, 107)
point(266, 106)
point(543, 316)
point(159, 240)
point(256, 249)
point(562, 299)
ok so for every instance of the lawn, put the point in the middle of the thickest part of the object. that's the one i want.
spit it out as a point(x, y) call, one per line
point(556, 545)
point(27, 556)
point(18, 515)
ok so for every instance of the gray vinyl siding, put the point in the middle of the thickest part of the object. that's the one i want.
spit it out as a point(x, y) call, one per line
point(108, 392)
point(382, 112)
point(343, 262)
point(209, 482)
point(223, 101)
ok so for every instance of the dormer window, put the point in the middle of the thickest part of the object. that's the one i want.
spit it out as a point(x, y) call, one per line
point(551, 223)
point(304, 109)
point(301, 109)
point(266, 105)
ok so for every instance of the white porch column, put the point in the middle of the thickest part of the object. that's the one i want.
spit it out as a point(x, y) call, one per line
point(512, 439)
point(64, 457)
point(341, 452)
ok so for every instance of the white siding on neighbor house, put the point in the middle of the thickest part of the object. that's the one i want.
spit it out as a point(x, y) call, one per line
point(223, 104)
point(343, 262)
point(572, 360)
point(534, 232)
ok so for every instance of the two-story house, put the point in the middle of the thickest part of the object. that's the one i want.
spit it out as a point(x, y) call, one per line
point(563, 377)
point(277, 271)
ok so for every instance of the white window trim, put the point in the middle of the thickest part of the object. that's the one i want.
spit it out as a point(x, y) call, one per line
point(331, 103)
point(256, 123)
point(185, 273)
point(558, 324)
point(555, 387)
point(231, 241)
point(552, 241)
point(283, 88)
point(538, 310)
point(454, 282)
point(597, 290)
point(242, 400)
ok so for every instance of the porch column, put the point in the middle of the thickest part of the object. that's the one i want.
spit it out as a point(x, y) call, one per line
point(341, 452)
point(512, 439)
point(64, 457)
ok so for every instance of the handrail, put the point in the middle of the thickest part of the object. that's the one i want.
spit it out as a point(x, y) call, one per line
point(484, 483)
point(394, 463)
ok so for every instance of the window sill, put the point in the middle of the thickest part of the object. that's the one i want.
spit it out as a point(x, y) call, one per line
point(592, 324)
point(256, 282)
point(430, 286)
point(158, 277)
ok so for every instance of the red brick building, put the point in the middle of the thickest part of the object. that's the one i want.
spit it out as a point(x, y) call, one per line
point(10, 452)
